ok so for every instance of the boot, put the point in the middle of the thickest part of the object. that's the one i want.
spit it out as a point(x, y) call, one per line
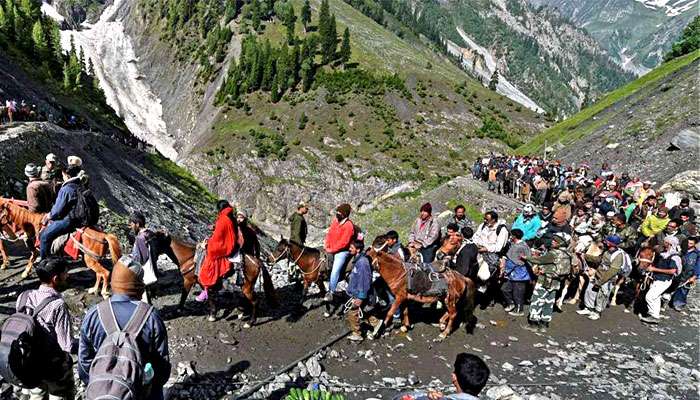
point(532, 326)
point(354, 325)
point(516, 311)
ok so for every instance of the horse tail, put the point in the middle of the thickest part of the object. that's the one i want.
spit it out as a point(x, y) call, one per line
point(268, 287)
point(115, 250)
point(469, 304)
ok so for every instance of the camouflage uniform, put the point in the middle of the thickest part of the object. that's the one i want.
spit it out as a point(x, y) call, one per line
point(555, 263)
point(597, 299)
point(629, 238)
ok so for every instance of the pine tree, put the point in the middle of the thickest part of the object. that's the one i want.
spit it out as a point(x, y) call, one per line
point(256, 14)
point(307, 75)
point(329, 42)
point(289, 21)
point(30, 9)
point(275, 94)
point(90, 67)
point(345, 50)
point(294, 65)
point(493, 83)
point(10, 14)
point(3, 20)
point(39, 41)
point(71, 52)
point(81, 58)
point(55, 43)
point(306, 14)
point(324, 17)
point(67, 81)
point(282, 74)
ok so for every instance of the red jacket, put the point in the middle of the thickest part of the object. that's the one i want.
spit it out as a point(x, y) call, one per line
point(339, 236)
point(219, 247)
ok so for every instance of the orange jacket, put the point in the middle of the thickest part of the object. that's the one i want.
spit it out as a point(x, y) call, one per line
point(339, 236)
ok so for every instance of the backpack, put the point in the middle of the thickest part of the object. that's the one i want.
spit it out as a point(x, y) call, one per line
point(357, 233)
point(506, 246)
point(626, 268)
point(117, 371)
point(22, 341)
point(86, 211)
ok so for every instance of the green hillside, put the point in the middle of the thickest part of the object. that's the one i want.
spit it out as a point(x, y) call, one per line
point(588, 120)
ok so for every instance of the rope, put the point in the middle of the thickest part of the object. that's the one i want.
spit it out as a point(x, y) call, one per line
point(318, 266)
point(87, 251)
point(349, 306)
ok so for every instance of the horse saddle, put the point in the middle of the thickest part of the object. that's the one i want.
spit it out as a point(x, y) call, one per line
point(422, 280)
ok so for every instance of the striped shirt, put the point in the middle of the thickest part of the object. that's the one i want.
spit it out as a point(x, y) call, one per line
point(55, 317)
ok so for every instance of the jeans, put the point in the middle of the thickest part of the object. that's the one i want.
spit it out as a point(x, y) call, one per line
point(339, 261)
point(653, 297)
point(680, 297)
point(53, 231)
point(514, 292)
point(429, 252)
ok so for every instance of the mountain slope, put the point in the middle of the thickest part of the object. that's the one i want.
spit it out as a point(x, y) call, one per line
point(547, 58)
point(398, 116)
point(636, 33)
point(648, 127)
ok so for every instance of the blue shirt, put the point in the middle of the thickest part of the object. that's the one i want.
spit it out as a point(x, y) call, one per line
point(152, 342)
point(360, 278)
point(65, 200)
point(528, 226)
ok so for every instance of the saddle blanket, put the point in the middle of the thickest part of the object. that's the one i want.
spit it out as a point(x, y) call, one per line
point(422, 280)
point(71, 247)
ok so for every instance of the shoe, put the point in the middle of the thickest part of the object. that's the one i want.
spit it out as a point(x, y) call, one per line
point(572, 301)
point(481, 289)
point(376, 328)
point(355, 337)
point(532, 326)
point(328, 298)
point(202, 297)
point(593, 316)
point(211, 318)
point(543, 327)
point(438, 305)
point(585, 311)
point(649, 320)
point(517, 311)
point(509, 308)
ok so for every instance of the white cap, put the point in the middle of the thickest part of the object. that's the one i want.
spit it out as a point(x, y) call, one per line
point(51, 157)
point(75, 160)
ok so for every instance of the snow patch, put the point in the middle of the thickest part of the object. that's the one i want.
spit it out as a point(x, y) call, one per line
point(672, 8)
point(481, 63)
point(50, 11)
point(112, 53)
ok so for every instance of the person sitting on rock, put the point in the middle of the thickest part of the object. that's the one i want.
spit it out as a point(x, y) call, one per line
point(39, 192)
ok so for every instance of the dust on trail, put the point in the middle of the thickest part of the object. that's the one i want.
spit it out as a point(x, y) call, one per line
point(616, 357)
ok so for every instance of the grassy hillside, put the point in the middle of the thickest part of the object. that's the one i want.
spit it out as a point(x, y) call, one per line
point(586, 121)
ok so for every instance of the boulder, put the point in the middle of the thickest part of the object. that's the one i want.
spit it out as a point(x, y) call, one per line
point(687, 183)
point(687, 139)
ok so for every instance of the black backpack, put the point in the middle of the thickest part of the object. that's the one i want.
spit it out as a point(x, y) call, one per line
point(24, 343)
point(86, 212)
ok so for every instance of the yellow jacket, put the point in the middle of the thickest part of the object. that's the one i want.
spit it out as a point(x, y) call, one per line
point(653, 225)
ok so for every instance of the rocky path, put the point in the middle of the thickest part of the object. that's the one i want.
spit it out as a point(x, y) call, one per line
point(616, 357)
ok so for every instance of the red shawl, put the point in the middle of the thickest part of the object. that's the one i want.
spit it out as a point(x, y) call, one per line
point(219, 247)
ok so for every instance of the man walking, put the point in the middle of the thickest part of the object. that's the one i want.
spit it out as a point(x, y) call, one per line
point(54, 319)
point(127, 286)
point(601, 283)
point(297, 225)
point(358, 290)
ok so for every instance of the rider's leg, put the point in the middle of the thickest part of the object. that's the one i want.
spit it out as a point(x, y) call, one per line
point(339, 260)
point(53, 231)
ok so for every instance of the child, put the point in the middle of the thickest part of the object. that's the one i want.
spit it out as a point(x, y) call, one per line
point(515, 271)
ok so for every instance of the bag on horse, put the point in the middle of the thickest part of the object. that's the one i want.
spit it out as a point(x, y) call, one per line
point(117, 372)
point(423, 281)
point(24, 344)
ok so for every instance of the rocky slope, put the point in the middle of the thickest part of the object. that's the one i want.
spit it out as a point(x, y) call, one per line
point(123, 178)
point(636, 33)
point(649, 128)
point(354, 145)
point(557, 65)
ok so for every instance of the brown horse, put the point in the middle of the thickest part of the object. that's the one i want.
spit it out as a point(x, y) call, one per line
point(96, 246)
point(183, 255)
point(15, 219)
point(394, 273)
point(308, 259)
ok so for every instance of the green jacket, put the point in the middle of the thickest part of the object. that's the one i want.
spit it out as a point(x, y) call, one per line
point(609, 267)
point(556, 263)
point(298, 229)
point(629, 238)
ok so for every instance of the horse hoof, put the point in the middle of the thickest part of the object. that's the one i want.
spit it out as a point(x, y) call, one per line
point(404, 329)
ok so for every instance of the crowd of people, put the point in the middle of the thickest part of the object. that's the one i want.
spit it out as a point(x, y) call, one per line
point(13, 111)
point(583, 229)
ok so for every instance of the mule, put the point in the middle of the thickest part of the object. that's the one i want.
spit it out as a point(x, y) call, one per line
point(460, 290)
point(183, 255)
point(96, 246)
point(310, 262)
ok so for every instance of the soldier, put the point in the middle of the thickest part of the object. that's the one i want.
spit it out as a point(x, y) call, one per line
point(627, 234)
point(549, 269)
